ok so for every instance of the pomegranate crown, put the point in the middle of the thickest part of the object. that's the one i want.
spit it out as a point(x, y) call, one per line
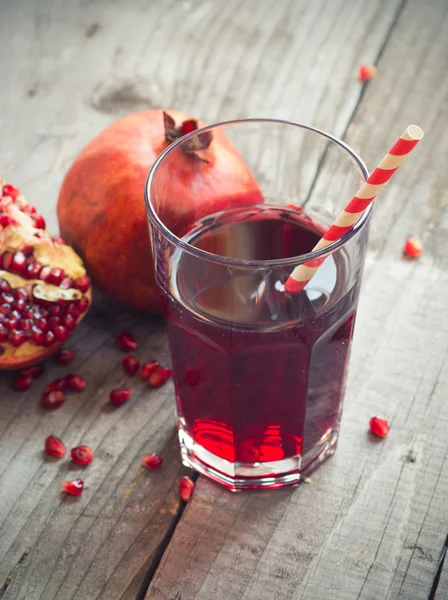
point(173, 132)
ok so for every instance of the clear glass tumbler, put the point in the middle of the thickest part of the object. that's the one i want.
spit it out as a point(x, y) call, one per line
point(259, 373)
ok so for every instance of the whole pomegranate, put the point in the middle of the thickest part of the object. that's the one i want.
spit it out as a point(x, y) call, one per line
point(101, 207)
point(44, 290)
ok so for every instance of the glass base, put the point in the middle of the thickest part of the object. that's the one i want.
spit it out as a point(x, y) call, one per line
point(250, 476)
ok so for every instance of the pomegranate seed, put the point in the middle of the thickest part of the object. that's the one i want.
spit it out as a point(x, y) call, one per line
point(56, 276)
point(126, 342)
point(55, 447)
point(72, 310)
point(57, 239)
point(10, 190)
point(366, 72)
point(11, 324)
point(55, 310)
point(66, 283)
point(53, 399)
point(82, 455)
point(60, 333)
point(148, 369)
point(22, 383)
point(20, 294)
point(53, 321)
point(186, 487)
point(82, 284)
point(75, 382)
point(379, 426)
point(17, 338)
point(82, 304)
point(19, 305)
point(3, 333)
point(33, 372)
point(69, 322)
point(413, 247)
point(59, 385)
point(4, 286)
point(28, 250)
point(49, 339)
point(130, 365)
point(18, 263)
point(64, 357)
point(152, 461)
point(6, 220)
point(5, 309)
point(37, 335)
point(119, 397)
point(6, 298)
point(33, 270)
point(26, 324)
point(45, 273)
point(42, 323)
point(28, 313)
point(159, 377)
point(39, 222)
point(15, 314)
point(73, 487)
point(7, 260)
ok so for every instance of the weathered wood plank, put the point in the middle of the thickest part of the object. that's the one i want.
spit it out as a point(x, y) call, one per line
point(374, 520)
point(68, 72)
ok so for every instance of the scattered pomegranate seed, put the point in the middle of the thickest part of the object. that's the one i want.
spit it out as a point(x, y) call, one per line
point(413, 247)
point(21, 383)
point(64, 357)
point(119, 397)
point(54, 446)
point(152, 461)
point(126, 342)
point(75, 382)
point(186, 487)
point(379, 426)
point(148, 369)
point(10, 190)
point(73, 487)
point(82, 284)
point(367, 72)
point(34, 371)
point(59, 385)
point(53, 399)
point(159, 377)
point(130, 364)
point(82, 455)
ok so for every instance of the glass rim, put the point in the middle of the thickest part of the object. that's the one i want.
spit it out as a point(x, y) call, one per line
point(242, 262)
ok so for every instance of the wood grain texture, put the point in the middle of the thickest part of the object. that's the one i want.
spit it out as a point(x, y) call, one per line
point(72, 68)
point(374, 520)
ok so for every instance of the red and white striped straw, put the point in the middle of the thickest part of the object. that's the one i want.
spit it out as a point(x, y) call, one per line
point(357, 205)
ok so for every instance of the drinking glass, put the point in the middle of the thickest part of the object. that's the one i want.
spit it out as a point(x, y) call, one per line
point(259, 373)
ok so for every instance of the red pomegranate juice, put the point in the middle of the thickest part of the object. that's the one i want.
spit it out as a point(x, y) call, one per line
point(259, 374)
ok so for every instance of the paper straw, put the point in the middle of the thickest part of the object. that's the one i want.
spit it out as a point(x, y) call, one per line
point(357, 205)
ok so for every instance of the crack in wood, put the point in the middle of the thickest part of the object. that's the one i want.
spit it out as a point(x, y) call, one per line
point(10, 578)
point(435, 583)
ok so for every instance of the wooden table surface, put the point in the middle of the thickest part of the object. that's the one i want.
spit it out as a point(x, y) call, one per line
point(373, 522)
